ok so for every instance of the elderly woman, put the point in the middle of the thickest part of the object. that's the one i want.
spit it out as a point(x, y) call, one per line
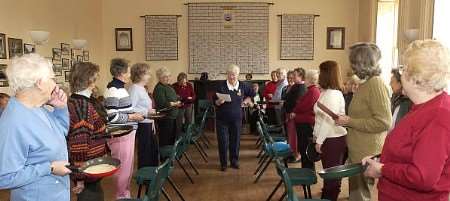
point(85, 121)
point(303, 114)
point(369, 114)
point(165, 96)
point(330, 138)
point(268, 92)
point(185, 91)
point(146, 143)
point(229, 116)
point(33, 146)
point(120, 111)
point(277, 96)
point(414, 163)
point(400, 103)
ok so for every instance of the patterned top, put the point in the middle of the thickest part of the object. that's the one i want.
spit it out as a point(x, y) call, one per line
point(85, 121)
point(117, 102)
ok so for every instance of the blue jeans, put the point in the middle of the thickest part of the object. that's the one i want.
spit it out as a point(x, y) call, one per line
point(228, 137)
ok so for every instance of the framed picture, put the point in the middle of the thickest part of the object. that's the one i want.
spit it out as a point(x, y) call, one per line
point(57, 68)
point(15, 47)
point(85, 55)
point(56, 53)
point(29, 48)
point(67, 75)
point(79, 58)
point(2, 46)
point(124, 39)
point(65, 63)
point(65, 49)
point(3, 80)
point(335, 38)
point(56, 61)
point(72, 54)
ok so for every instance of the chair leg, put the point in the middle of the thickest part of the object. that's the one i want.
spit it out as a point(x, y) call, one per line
point(190, 163)
point(305, 192)
point(165, 194)
point(264, 156)
point(185, 172)
point(261, 165)
point(283, 196)
point(258, 140)
point(263, 170)
point(177, 190)
point(309, 192)
point(204, 140)
point(201, 148)
point(260, 153)
point(201, 153)
point(139, 191)
point(274, 190)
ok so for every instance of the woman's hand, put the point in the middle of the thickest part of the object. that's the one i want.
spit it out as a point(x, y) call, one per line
point(135, 117)
point(374, 167)
point(58, 98)
point(318, 148)
point(291, 115)
point(79, 187)
point(342, 120)
point(220, 101)
point(59, 168)
point(176, 104)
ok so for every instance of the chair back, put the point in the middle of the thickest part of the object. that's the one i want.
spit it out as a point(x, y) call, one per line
point(281, 170)
point(185, 142)
point(154, 190)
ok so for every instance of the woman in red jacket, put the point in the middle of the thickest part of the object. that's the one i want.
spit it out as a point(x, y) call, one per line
point(268, 92)
point(415, 161)
point(303, 114)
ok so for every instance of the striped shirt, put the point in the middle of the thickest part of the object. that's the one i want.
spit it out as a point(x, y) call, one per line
point(117, 102)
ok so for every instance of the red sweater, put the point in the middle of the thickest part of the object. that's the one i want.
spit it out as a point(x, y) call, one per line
point(269, 89)
point(416, 155)
point(184, 92)
point(304, 108)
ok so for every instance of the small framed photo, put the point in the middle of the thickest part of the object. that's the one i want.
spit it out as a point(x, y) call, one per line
point(29, 48)
point(124, 39)
point(79, 58)
point(65, 49)
point(67, 75)
point(15, 47)
point(335, 38)
point(56, 62)
point(56, 53)
point(85, 55)
point(65, 63)
point(57, 68)
point(2, 46)
point(3, 79)
point(72, 54)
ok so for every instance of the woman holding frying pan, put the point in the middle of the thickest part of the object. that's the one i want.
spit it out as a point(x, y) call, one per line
point(85, 121)
point(330, 138)
point(33, 151)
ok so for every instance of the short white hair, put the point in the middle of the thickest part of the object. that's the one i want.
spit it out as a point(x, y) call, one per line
point(25, 71)
point(312, 76)
point(161, 72)
point(233, 69)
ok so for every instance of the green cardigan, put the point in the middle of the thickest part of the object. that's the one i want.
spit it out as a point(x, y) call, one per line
point(370, 119)
point(163, 95)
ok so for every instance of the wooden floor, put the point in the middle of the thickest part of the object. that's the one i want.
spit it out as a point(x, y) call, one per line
point(214, 185)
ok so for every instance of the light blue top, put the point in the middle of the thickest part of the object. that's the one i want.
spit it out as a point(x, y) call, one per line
point(1, 111)
point(139, 99)
point(30, 139)
point(280, 85)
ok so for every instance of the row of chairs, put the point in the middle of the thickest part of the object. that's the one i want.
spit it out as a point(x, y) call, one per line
point(153, 178)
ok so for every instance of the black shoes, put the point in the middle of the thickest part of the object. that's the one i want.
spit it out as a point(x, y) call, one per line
point(235, 166)
point(223, 168)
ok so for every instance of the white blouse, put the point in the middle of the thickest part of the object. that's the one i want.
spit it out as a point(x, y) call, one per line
point(325, 126)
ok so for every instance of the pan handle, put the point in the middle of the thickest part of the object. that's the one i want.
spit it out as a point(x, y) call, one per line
point(73, 168)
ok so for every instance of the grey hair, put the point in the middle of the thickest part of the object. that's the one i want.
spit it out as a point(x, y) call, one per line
point(234, 69)
point(312, 76)
point(25, 71)
point(161, 72)
point(364, 60)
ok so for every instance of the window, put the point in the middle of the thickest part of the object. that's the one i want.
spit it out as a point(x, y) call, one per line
point(386, 34)
point(441, 29)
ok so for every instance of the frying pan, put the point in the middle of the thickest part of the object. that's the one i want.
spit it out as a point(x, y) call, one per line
point(166, 109)
point(97, 161)
point(311, 152)
point(342, 171)
point(113, 131)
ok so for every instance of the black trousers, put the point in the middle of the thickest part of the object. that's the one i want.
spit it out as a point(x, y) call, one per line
point(167, 131)
point(304, 137)
point(271, 116)
point(92, 192)
point(228, 137)
point(147, 146)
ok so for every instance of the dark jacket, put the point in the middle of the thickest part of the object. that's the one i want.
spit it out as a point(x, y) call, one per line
point(292, 95)
point(232, 111)
point(404, 105)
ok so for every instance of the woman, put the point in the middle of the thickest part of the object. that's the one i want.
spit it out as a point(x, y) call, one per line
point(229, 116)
point(414, 163)
point(400, 103)
point(165, 96)
point(303, 114)
point(296, 91)
point(146, 143)
point(33, 148)
point(268, 92)
point(369, 114)
point(120, 110)
point(185, 91)
point(85, 122)
point(330, 138)
point(351, 86)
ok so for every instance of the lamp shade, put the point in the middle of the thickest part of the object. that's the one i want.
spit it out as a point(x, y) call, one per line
point(79, 43)
point(39, 37)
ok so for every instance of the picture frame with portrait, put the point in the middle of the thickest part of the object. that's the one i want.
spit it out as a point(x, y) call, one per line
point(85, 55)
point(124, 39)
point(336, 38)
point(67, 75)
point(3, 79)
point(15, 47)
point(65, 49)
point(29, 48)
point(65, 63)
point(3, 46)
point(57, 55)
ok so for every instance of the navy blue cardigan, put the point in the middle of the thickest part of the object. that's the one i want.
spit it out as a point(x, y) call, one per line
point(232, 111)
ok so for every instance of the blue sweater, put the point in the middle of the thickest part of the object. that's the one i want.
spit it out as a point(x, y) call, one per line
point(232, 111)
point(30, 139)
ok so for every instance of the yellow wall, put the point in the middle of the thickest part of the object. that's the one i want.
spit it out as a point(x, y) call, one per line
point(64, 19)
point(119, 13)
